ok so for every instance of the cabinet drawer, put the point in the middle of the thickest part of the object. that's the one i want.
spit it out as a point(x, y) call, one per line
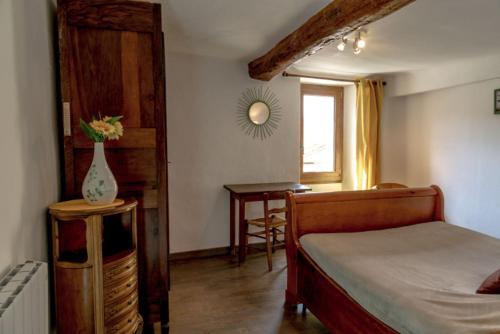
point(127, 326)
point(124, 287)
point(121, 309)
point(120, 269)
point(119, 260)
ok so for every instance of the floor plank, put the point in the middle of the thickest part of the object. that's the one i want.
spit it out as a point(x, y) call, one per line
point(215, 296)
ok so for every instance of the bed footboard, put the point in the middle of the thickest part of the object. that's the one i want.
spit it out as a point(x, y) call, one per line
point(342, 316)
point(353, 211)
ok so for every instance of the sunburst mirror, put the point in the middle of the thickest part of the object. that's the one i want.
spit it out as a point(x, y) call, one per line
point(258, 112)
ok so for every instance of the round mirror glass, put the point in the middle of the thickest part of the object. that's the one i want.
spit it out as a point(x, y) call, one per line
point(258, 113)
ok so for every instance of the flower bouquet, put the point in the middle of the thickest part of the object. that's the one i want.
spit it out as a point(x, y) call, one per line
point(101, 129)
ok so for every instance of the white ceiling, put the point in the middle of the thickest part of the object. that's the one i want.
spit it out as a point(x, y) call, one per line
point(425, 33)
point(234, 29)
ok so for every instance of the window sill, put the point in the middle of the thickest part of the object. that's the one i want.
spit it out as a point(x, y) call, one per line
point(325, 187)
point(321, 178)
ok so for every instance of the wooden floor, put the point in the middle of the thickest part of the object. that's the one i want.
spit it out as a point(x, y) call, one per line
point(216, 296)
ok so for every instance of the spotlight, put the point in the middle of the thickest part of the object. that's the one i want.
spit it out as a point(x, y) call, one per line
point(341, 46)
point(359, 42)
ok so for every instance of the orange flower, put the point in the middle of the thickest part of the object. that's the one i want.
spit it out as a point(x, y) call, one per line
point(102, 127)
point(118, 128)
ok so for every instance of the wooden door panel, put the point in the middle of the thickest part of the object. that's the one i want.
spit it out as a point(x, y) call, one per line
point(149, 238)
point(121, 60)
point(95, 72)
point(131, 99)
point(146, 80)
point(137, 73)
point(129, 166)
point(132, 138)
point(111, 14)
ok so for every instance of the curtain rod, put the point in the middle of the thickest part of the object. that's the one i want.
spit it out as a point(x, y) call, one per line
point(286, 74)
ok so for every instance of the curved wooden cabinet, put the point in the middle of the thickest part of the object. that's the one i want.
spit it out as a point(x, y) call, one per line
point(95, 268)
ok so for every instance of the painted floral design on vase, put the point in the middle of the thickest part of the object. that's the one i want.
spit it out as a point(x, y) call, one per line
point(99, 186)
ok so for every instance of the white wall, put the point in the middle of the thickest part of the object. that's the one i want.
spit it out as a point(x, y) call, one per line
point(451, 74)
point(449, 137)
point(207, 148)
point(29, 176)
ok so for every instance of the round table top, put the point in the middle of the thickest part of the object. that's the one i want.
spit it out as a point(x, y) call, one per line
point(80, 206)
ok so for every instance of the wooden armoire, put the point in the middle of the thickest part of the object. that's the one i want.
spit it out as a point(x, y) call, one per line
point(112, 63)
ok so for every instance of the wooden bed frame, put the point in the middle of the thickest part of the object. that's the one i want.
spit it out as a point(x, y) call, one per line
point(352, 211)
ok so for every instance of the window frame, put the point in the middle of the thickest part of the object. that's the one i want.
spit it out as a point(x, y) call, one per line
point(338, 93)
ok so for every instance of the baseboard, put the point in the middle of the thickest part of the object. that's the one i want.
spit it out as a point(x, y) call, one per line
point(211, 252)
point(199, 254)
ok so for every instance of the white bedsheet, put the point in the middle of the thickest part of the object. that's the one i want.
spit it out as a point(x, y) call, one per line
point(417, 279)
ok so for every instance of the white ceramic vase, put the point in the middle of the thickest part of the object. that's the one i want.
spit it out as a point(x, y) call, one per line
point(99, 186)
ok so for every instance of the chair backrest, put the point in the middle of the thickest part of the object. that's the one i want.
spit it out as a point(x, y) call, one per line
point(389, 186)
point(266, 197)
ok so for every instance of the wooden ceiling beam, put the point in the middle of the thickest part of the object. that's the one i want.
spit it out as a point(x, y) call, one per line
point(337, 19)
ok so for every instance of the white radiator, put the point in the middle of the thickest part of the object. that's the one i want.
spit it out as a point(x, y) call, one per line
point(24, 300)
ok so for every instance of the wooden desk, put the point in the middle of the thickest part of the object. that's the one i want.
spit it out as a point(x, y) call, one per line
point(252, 193)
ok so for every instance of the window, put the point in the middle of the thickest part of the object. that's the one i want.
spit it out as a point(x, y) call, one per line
point(321, 134)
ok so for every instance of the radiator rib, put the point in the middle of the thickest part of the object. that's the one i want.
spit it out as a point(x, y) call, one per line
point(24, 300)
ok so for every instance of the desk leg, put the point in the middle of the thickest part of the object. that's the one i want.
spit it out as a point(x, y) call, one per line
point(232, 225)
point(242, 237)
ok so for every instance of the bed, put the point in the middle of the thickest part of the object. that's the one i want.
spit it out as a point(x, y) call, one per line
point(384, 261)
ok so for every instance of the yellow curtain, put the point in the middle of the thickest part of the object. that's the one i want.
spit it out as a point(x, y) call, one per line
point(369, 98)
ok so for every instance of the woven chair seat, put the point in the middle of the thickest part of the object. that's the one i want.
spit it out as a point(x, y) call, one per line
point(273, 222)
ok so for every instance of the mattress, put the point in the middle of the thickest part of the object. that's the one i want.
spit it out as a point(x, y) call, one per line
point(416, 279)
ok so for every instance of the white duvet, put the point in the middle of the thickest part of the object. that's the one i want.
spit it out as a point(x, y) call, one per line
point(417, 279)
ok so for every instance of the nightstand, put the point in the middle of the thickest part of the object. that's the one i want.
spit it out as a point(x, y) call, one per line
point(95, 267)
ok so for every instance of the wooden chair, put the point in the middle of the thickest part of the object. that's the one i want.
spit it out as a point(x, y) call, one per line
point(389, 186)
point(272, 225)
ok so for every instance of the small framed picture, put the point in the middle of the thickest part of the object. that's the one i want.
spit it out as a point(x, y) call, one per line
point(497, 101)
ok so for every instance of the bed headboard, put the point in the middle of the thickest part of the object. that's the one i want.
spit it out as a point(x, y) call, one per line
point(355, 211)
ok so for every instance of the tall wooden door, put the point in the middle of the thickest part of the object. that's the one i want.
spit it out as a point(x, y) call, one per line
point(112, 63)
